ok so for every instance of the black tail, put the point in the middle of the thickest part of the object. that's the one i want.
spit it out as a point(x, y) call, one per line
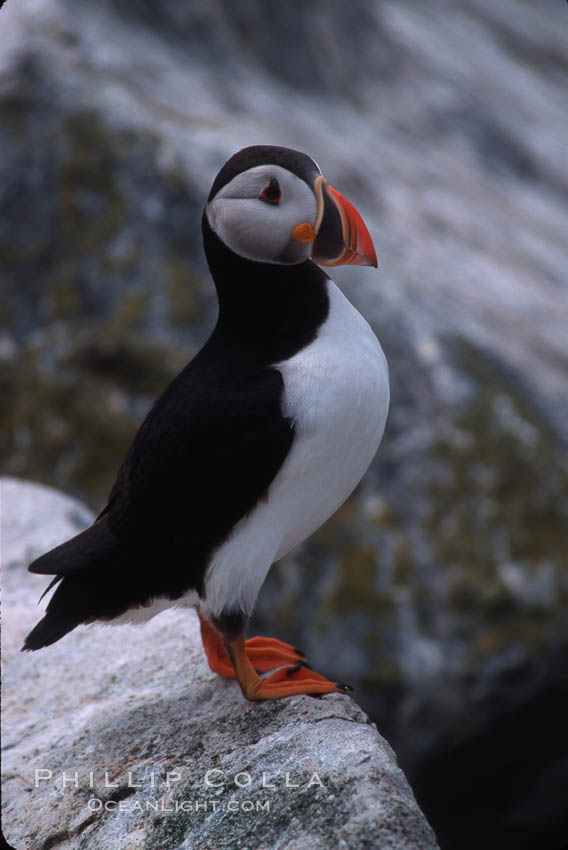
point(47, 631)
point(100, 578)
point(84, 568)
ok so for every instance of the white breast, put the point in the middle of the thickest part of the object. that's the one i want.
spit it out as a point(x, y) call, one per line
point(337, 394)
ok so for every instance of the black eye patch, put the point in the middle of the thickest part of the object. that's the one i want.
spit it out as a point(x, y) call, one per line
point(272, 192)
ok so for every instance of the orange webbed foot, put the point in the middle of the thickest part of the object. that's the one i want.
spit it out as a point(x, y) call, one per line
point(290, 681)
point(265, 654)
point(244, 660)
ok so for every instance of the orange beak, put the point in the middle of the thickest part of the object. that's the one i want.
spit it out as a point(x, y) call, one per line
point(341, 235)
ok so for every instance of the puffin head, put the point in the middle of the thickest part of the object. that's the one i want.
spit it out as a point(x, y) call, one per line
point(273, 205)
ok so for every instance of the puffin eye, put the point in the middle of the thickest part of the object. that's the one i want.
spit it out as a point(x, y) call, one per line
point(272, 192)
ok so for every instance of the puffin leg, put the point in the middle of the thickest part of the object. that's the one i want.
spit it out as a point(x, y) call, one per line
point(285, 682)
point(265, 654)
point(217, 658)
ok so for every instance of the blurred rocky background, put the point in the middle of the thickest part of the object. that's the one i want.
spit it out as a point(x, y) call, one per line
point(440, 589)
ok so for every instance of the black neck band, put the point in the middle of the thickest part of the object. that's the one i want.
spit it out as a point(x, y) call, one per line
point(266, 311)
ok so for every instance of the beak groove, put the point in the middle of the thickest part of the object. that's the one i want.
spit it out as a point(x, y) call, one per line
point(342, 236)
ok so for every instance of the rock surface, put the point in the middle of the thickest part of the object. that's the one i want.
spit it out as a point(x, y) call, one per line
point(109, 735)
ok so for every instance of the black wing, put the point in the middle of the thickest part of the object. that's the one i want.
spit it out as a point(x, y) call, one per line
point(205, 455)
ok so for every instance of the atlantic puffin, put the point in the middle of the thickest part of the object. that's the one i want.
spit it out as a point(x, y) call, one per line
point(257, 441)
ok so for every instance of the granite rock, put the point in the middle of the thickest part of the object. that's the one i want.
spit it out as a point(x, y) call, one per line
point(120, 736)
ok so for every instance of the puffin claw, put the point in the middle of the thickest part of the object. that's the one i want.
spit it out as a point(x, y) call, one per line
point(343, 686)
point(297, 667)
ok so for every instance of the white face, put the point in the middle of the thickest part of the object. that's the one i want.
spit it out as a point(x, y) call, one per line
point(262, 229)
